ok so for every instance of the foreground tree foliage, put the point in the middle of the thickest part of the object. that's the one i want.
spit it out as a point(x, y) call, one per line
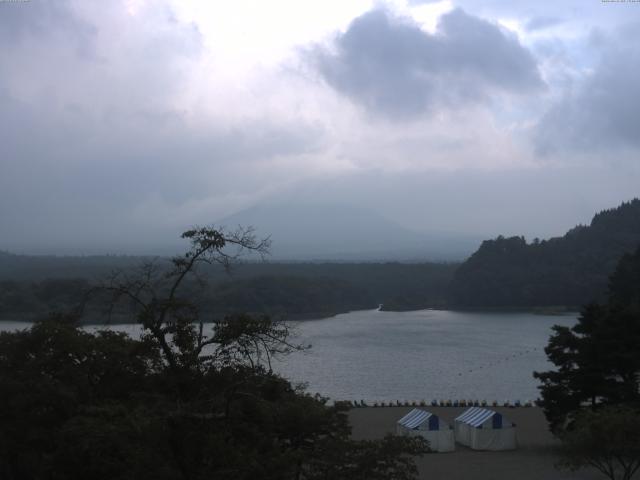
point(607, 440)
point(598, 359)
point(181, 402)
point(592, 400)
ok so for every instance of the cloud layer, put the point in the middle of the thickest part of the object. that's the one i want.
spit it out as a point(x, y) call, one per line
point(124, 122)
point(391, 66)
point(101, 141)
point(601, 111)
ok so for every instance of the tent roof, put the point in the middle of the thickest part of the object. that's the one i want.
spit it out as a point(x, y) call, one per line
point(468, 413)
point(476, 416)
point(415, 418)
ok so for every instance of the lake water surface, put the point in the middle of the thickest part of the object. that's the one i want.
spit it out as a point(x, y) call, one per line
point(426, 354)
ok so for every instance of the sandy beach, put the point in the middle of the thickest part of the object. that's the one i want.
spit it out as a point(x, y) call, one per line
point(533, 460)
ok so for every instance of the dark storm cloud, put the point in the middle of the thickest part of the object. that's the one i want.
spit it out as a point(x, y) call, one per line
point(391, 66)
point(602, 112)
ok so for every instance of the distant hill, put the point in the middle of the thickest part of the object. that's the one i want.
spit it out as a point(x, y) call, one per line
point(570, 270)
point(344, 233)
point(291, 290)
point(39, 267)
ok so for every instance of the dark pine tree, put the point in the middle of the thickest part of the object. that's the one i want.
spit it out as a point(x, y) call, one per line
point(598, 359)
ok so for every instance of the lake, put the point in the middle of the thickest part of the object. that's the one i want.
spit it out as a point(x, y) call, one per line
point(419, 355)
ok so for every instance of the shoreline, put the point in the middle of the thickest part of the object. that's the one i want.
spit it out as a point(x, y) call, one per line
point(312, 316)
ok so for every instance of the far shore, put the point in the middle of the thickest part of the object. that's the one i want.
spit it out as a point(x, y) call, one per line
point(311, 316)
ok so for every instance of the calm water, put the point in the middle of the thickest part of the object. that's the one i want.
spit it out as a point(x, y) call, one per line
point(427, 354)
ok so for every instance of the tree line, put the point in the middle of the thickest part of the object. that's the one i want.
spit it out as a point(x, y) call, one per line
point(569, 271)
point(292, 291)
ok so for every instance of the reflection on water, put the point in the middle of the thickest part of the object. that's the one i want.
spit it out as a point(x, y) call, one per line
point(427, 354)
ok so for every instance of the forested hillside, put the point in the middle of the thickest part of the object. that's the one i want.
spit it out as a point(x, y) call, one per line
point(506, 272)
point(40, 267)
point(569, 270)
point(33, 286)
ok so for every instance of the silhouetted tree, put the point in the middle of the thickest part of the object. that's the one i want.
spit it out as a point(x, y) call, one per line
point(607, 440)
point(155, 293)
point(598, 359)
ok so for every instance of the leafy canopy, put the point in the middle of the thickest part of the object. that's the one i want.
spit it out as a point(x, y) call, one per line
point(598, 359)
point(607, 440)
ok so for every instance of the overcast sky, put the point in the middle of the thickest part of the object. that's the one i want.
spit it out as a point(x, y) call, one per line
point(124, 122)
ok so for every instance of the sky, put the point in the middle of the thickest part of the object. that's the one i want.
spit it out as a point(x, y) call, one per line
point(125, 122)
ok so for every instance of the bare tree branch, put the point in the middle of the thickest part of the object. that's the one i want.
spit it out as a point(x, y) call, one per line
point(175, 324)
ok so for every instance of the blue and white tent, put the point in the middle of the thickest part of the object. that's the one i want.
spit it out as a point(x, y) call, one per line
point(483, 429)
point(429, 426)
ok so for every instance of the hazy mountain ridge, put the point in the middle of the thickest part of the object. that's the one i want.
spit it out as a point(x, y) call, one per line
point(39, 267)
point(347, 233)
point(568, 270)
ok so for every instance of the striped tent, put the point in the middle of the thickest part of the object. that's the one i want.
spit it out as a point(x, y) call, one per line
point(429, 426)
point(483, 429)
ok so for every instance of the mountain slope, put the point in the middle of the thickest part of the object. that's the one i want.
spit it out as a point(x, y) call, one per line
point(569, 270)
point(338, 232)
